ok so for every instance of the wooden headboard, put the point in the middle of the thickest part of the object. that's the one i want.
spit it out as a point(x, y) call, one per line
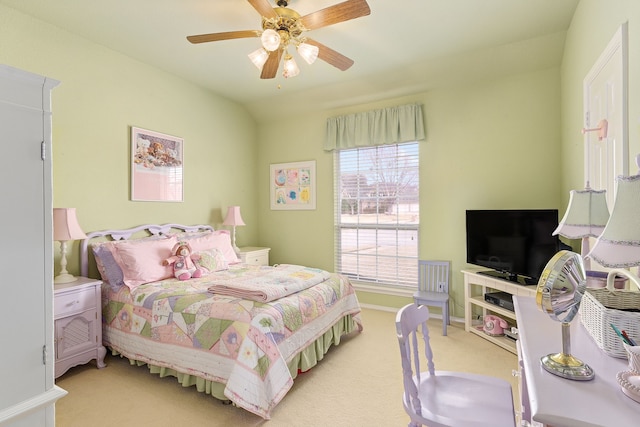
point(151, 229)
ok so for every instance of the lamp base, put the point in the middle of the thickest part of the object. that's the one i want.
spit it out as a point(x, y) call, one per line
point(64, 278)
point(567, 366)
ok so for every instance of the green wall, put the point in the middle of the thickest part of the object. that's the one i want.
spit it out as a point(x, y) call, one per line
point(594, 24)
point(512, 142)
point(102, 94)
point(490, 144)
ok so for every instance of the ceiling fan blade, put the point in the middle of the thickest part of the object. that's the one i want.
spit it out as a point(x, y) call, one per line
point(270, 68)
point(213, 37)
point(340, 12)
point(330, 56)
point(264, 8)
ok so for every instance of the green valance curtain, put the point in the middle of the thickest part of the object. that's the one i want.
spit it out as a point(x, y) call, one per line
point(391, 125)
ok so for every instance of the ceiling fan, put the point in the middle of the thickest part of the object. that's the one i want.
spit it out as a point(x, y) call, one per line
point(282, 26)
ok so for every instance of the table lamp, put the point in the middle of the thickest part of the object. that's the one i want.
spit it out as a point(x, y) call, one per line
point(618, 246)
point(586, 216)
point(65, 228)
point(233, 218)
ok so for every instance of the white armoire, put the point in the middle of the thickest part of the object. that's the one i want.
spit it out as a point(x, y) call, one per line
point(27, 389)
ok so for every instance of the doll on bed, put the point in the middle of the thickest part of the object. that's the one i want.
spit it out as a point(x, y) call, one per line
point(185, 264)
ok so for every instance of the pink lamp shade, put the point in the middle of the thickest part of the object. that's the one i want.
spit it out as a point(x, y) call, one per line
point(233, 216)
point(619, 244)
point(65, 225)
point(65, 228)
point(233, 219)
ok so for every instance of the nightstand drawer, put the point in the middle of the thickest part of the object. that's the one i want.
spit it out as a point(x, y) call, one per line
point(258, 259)
point(253, 255)
point(74, 302)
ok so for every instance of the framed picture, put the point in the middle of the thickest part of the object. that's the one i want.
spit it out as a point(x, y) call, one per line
point(156, 166)
point(292, 186)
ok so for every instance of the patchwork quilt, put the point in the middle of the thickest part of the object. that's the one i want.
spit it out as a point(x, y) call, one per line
point(241, 343)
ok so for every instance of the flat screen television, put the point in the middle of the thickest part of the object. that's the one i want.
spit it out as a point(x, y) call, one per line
point(514, 244)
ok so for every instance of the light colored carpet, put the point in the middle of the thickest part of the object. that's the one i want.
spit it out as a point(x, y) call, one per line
point(358, 383)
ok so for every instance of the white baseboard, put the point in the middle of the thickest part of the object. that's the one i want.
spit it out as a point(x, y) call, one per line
point(395, 310)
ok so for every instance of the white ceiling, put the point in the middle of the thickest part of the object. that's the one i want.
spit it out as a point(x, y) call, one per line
point(400, 48)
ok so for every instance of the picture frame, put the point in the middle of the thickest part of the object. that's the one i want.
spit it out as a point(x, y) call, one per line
point(157, 167)
point(292, 186)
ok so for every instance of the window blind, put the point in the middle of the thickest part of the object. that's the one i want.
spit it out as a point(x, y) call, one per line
point(377, 213)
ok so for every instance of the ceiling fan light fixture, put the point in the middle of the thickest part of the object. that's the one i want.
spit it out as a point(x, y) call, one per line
point(308, 52)
point(270, 39)
point(290, 67)
point(259, 57)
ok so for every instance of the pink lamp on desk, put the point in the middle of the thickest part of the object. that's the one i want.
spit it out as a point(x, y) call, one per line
point(234, 219)
point(65, 228)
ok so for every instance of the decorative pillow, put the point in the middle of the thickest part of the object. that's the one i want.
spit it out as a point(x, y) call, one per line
point(219, 239)
point(141, 260)
point(212, 260)
point(108, 268)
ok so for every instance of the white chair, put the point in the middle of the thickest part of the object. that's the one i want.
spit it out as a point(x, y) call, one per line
point(433, 287)
point(446, 399)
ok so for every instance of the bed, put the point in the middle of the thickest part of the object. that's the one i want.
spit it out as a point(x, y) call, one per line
point(240, 333)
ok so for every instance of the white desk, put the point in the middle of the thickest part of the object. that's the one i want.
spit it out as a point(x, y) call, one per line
point(560, 402)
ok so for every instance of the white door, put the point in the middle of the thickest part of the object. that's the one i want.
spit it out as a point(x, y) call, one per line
point(605, 98)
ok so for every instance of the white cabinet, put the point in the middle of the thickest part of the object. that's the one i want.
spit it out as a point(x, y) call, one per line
point(253, 255)
point(78, 324)
point(27, 389)
point(475, 286)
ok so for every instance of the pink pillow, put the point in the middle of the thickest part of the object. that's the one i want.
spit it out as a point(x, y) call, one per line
point(141, 261)
point(219, 239)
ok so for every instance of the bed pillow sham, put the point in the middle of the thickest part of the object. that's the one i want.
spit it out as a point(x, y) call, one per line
point(141, 262)
point(109, 270)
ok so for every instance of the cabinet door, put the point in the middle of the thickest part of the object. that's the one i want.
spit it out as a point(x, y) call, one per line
point(75, 334)
point(27, 246)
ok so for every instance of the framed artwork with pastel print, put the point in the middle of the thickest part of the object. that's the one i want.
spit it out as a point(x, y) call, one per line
point(293, 186)
point(156, 166)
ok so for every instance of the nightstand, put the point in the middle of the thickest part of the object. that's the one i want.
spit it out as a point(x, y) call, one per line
point(253, 255)
point(78, 324)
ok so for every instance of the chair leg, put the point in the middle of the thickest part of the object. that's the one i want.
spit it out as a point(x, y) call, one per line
point(445, 318)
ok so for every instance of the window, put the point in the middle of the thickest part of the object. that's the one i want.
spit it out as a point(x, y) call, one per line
point(378, 213)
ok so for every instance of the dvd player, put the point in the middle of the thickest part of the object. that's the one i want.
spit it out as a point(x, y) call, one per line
point(501, 299)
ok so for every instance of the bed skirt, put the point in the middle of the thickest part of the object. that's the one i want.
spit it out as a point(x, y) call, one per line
point(301, 362)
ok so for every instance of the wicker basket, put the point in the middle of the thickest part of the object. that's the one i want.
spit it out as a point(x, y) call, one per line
point(601, 307)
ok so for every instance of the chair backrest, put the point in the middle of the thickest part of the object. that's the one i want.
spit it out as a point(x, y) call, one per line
point(433, 276)
point(410, 321)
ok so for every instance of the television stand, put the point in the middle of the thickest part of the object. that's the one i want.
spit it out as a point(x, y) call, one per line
point(511, 277)
point(476, 284)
